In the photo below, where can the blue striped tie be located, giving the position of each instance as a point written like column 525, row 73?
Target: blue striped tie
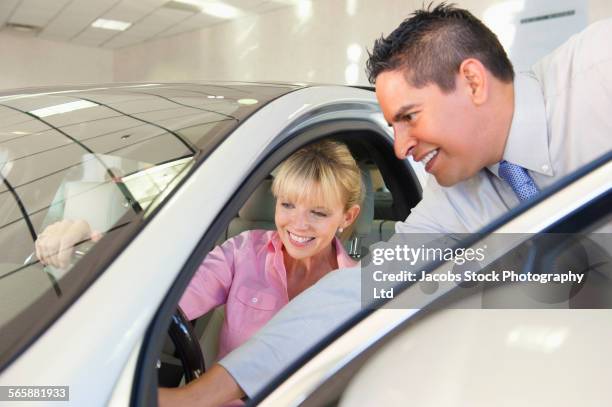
column 519, row 179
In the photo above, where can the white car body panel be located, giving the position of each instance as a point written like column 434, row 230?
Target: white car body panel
column 479, row 358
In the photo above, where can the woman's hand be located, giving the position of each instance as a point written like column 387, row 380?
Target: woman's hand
column 214, row 388
column 55, row 244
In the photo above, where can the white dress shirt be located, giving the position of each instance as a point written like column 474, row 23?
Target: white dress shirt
column 562, row 120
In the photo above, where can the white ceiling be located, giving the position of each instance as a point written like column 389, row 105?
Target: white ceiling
column 70, row 20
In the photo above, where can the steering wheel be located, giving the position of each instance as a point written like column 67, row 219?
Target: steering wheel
column 187, row 346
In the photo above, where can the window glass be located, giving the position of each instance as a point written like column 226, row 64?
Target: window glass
column 97, row 192
column 81, row 168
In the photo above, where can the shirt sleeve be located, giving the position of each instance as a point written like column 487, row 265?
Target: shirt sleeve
column 210, row 285
column 313, row 315
column 433, row 214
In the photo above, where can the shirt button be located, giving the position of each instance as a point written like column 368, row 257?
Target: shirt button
column 254, row 299
column 545, row 167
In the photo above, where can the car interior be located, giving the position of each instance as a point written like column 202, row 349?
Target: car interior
column 380, row 209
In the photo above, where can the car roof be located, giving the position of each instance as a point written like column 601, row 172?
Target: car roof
column 65, row 88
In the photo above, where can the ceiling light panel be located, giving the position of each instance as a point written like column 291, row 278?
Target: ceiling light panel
column 62, row 108
column 27, row 102
column 76, row 17
column 219, row 9
column 222, row 10
column 114, row 25
column 179, row 5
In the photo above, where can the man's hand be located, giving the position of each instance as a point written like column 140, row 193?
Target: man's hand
column 55, row 244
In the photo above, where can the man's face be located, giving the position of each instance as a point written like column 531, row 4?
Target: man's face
column 441, row 130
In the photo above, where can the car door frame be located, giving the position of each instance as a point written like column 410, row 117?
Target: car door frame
column 357, row 113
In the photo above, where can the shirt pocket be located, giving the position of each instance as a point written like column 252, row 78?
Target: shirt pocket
column 256, row 299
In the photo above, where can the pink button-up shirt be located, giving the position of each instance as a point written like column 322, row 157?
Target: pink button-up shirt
column 247, row 274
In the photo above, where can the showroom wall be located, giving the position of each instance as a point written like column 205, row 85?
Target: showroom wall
column 28, row 61
column 323, row 43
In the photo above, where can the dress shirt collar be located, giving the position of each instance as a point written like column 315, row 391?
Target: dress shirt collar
column 527, row 143
column 275, row 244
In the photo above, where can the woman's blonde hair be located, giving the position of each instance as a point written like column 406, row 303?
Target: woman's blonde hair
column 329, row 165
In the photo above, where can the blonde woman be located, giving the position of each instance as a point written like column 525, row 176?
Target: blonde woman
column 318, row 192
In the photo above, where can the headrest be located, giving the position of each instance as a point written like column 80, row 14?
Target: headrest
column 260, row 205
column 363, row 224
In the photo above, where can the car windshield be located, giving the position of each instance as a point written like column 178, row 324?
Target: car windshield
column 85, row 166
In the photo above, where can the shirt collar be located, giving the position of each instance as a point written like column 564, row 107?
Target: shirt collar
column 275, row 244
column 527, row 143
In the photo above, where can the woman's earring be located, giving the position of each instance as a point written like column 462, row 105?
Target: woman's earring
column 340, row 230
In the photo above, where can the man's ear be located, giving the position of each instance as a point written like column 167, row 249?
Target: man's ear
column 473, row 76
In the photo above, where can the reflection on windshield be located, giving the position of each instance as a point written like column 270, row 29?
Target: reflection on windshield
column 91, row 200
column 148, row 184
column 81, row 169
column 75, row 170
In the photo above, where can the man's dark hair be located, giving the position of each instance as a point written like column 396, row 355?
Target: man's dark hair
column 430, row 46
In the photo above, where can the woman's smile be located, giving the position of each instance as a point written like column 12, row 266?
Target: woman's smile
column 298, row 240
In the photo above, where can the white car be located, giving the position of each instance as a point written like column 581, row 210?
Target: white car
column 164, row 172
column 161, row 171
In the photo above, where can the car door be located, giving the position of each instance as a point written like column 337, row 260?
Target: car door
column 280, row 128
column 417, row 353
